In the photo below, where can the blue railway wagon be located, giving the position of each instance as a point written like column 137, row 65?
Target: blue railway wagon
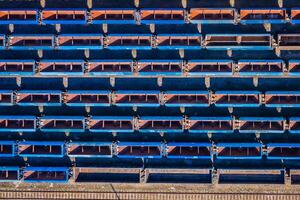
column 17, row 123
column 288, row 41
column 154, row 67
column 294, row 125
column 7, row 148
column 178, row 41
column 295, row 15
column 112, row 67
column 80, row 41
column 46, row 175
column 189, row 150
column 39, row 98
column 61, row 67
column 128, row 41
column 139, row 150
column 9, row 174
column 148, row 124
column 294, row 67
column 143, row 98
column 64, row 16
column 113, row 16
column 210, row 124
column 237, row 98
column 18, row 16
column 261, row 124
column 41, row 149
column 95, row 174
column 187, row 98
column 17, row 67
column 62, row 124
column 31, row 41
column 179, row 175
column 273, row 67
column 251, row 175
column 262, row 15
column 6, row 98
column 283, row 151
column 238, row 41
column 162, row 16
column 111, row 124
column 90, row 149
column 87, row 98
column 212, row 15
column 239, row 151
column 2, row 41
column 210, row 67
column 282, row 99
column 295, row 175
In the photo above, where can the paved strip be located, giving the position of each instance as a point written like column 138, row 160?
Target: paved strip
column 143, row 195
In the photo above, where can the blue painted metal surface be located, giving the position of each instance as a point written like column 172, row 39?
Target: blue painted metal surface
column 90, row 149
column 139, row 150
column 237, row 98
column 68, row 67
column 210, row 67
column 62, row 124
column 294, row 69
column 178, row 41
column 2, row 41
column 46, row 174
column 17, row 67
column 87, row 98
column 31, row 41
column 149, row 98
column 9, row 174
column 20, row 123
column 294, row 124
column 282, row 99
column 257, row 175
column 6, row 98
column 182, row 150
column 262, row 16
column 113, row 16
column 212, row 15
column 19, row 16
column 295, row 15
column 39, row 98
column 63, row 16
column 158, row 67
column 210, row 124
column 162, row 16
column 261, row 124
column 41, row 149
column 239, row 151
column 132, row 87
column 128, row 41
column 111, row 124
column 238, row 41
column 261, row 67
column 186, row 98
column 7, row 148
column 110, row 67
column 283, row 151
column 80, row 41
column 148, row 124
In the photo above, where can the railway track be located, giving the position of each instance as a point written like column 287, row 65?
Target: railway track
column 144, row 195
